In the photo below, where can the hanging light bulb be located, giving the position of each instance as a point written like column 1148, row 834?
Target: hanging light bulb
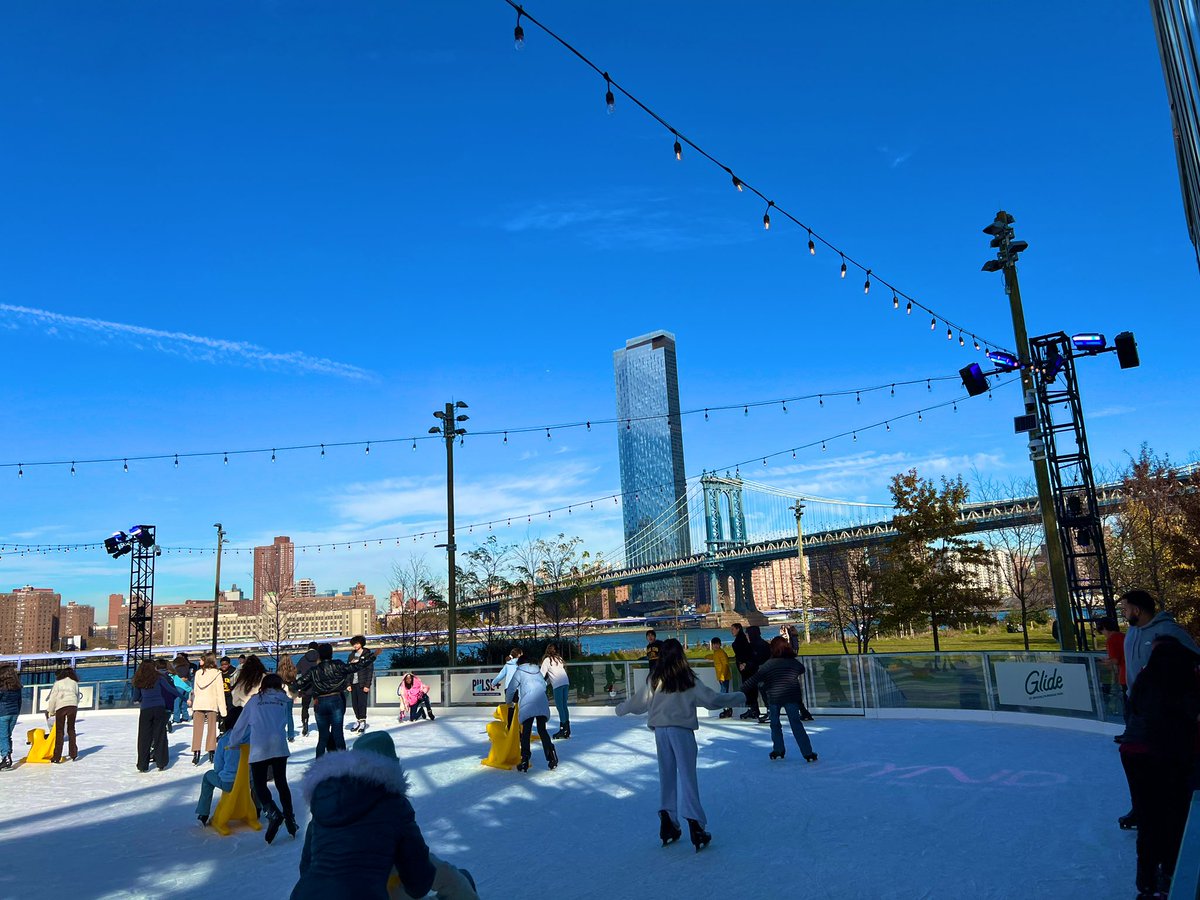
column 812, row 247
column 822, row 445
column 547, row 434
column 793, row 454
column 745, row 410
column 887, row 425
column 954, row 406
column 272, row 454
column 589, row 426
column 895, row 301
column 867, row 283
column 949, row 335
column 322, row 451
column 706, row 415
column 855, row 435
column 843, row 264
column 414, row 444
column 678, row 147
column 519, row 32
column 368, row 450
column 893, row 390
column 767, row 216
column 908, row 309
column 72, row 467
column 126, row 466
column 961, row 342
column 820, row 400
column 933, row 324
column 784, row 402
column 226, row 458
column 505, row 441
column 764, row 460
column 976, row 340
column 858, row 397
column 920, row 416
column 929, row 385
column 737, row 182
column 177, row 460
column 610, row 102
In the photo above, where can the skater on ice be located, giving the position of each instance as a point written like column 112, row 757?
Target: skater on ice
column 208, row 706
column 528, row 684
column 63, row 706
column 555, row 671
column 363, row 827
column 779, row 681
column 10, row 708
column 263, row 724
column 721, row 670
column 362, row 661
column 414, row 699
column 155, row 694
column 307, row 663
column 670, row 697
column 327, row 682
column 287, row 671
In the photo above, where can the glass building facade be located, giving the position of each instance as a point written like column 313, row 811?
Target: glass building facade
column 650, row 448
column 1175, row 28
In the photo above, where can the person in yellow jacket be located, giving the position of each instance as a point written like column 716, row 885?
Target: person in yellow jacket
column 721, row 669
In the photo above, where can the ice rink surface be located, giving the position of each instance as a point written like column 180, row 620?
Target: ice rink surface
column 893, row 809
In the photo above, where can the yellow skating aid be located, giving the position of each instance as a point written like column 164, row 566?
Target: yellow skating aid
column 237, row 805
column 505, row 737
column 41, row 745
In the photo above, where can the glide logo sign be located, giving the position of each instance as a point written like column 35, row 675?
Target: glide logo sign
column 1056, row 685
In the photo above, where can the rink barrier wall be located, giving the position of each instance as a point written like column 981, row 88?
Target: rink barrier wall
column 1073, row 689
column 1186, row 883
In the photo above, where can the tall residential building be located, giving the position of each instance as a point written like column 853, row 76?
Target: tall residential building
column 274, row 570
column 29, row 620
column 76, row 621
column 650, row 448
column 1177, row 31
column 115, row 602
column 306, row 587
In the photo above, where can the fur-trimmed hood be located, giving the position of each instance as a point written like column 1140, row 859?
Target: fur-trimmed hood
column 343, row 786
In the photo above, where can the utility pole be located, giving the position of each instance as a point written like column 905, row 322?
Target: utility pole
column 217, row 589
column 1007, row 251
column 450, row 417
column 801, row 581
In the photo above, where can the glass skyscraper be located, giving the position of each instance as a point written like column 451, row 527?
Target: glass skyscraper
column 1175, row 27
column 650, row 447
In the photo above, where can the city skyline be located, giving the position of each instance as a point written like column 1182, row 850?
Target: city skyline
column 310, row 250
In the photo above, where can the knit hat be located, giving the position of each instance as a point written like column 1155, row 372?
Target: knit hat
column 377, row 742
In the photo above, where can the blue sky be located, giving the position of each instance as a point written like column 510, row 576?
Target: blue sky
column 256, row 224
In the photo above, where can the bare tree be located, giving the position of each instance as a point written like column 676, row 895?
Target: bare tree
column 277, row 622
column 842, row 580
column 528, row 557
column 413, row 589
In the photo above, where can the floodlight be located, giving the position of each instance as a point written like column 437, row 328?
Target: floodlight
column 1004, row 360
column 993, row 265
column 973, row 379
column 143, row 535
column 1089, row 341
column 112, row 545
column 1018, row 246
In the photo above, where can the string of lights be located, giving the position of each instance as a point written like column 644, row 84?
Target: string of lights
column 503, row 433
column 681, row 140
column 507, row 520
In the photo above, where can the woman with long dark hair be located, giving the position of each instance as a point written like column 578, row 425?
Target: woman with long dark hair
column 243, row 686
column 671, row 696
column 10, row 709
column 155, row 694
column 286, row 670
column 63, row 704
column 263, row 722
column 554, row 670
column 207, row 701
column 779, row 678
column 528, row 683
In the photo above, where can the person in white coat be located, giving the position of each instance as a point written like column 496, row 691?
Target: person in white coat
column 207, row 702
column 528, row 684
column 62, row 705
column 263, row 724
column 671, row 696
column 555, row 671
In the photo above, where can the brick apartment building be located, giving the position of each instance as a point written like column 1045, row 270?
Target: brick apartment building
column 29, row 620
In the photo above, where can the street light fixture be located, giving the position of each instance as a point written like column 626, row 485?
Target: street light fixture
column 449, row 430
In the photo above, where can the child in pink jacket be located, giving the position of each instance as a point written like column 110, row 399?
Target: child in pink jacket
column 414, row 698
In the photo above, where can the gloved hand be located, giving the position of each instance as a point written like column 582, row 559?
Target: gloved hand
column 450, row 883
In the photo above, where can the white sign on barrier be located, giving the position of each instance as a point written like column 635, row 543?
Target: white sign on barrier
column 87, row 697
column 1053, row 684
column 474, row 687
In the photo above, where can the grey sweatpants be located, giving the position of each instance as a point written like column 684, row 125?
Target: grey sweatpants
column 679, row 791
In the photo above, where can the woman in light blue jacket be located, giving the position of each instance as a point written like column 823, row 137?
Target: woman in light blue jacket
column 263, row 724
column 528, row 683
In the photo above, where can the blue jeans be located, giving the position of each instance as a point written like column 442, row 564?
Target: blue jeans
column 560, row 703
column 291, row 731
column 798, row 732
column 7, row 724
column 208, row 784
column 330, row 711
column 181, row 710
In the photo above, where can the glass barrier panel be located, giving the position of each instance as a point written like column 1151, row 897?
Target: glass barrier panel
column 928, row 680
column 832, row 682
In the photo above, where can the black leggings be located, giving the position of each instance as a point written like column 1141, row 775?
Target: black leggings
column 526, row 731
column 358, row 699
column 258, row 775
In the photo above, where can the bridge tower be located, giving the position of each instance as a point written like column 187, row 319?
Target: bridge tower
column 725, row 529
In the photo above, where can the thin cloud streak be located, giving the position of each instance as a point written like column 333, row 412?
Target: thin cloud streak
column 190, row 346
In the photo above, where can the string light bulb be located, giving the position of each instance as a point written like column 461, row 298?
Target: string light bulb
column 843, row 264
column 737, row 182
column 812, row 247
column 767, row 216
column 126, row 466
column 976, row 340
column 908, row 309
column 822, row 445
column 519, row 32
column 226, row 459
column 72, row 467
column 177, row 460
column 961, row 342
column 678, row 147
column 867, row 283
column 895, row 301
column 887, row 425
column 933, row 324
column 367, row 452
column 949, row 335
column 272, row 454
column 610, row 101
column 322, row 451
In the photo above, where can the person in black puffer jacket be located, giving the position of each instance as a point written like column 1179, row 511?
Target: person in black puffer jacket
column 760, row 652
column 327, row 682
column 779, row 677
column 307, row 663
column 363, row 828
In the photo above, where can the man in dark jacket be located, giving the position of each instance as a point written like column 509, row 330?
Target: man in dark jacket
column 760, row 652
column 306, row 664
column 743, row 658
column 327, row 682
column 363, row 828
column 360, row 682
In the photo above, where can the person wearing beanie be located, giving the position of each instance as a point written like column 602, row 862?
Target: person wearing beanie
column 363, row 827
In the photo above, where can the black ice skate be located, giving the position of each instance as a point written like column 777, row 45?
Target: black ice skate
column 668, row 831
column 810, row 757
column 776, row 754
column 274, row 820
column 700, row 837
column 292, row 827
column 552, row 759
column 196, row 758
column 1128, row 821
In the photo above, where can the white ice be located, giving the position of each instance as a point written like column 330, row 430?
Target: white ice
column 893, row 809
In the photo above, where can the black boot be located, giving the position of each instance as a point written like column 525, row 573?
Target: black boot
column 211, row 755
column 700, row 837
column 274, row 820
column 552, row 759
column 810, row 757
column 303, row 729
column 292, row 827
column 1127, row 821
column 776, row 754
column 196, row 758
column 523, row 765
column 566, row 732
column 6, row 763
column 668, row 831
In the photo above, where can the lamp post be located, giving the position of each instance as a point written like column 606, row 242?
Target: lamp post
column 217, row 589
column 449, row 430
column 801, row 581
